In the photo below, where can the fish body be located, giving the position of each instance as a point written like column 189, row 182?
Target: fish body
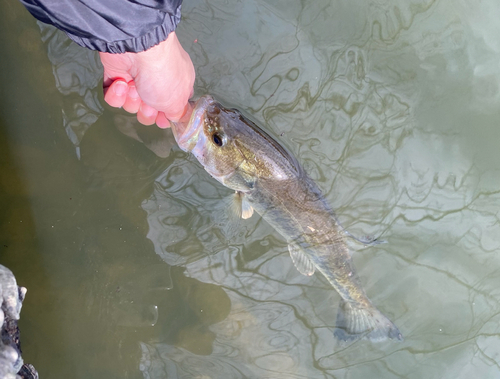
column 270, row 181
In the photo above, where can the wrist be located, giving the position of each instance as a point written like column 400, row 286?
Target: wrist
column 155, row 57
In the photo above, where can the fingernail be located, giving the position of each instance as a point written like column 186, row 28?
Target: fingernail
column 120, row 88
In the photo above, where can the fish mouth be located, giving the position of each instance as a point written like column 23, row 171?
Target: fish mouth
column 186, row 133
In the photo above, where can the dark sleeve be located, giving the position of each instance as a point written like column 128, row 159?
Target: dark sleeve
column 112, row 26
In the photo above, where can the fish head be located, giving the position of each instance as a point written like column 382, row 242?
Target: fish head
column 231, row 148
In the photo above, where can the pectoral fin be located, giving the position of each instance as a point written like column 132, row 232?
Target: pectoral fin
column 300, row 260
column 240, row 207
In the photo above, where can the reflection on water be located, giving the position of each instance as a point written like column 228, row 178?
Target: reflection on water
column 132, row 267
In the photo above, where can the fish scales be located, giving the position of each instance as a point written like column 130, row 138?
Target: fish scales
column 301, row 215
column 269, row 180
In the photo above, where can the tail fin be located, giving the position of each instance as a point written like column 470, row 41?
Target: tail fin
column 355, row 322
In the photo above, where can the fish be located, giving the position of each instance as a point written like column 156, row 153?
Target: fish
column 269, row 181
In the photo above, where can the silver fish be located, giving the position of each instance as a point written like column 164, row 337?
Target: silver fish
column 269, row 180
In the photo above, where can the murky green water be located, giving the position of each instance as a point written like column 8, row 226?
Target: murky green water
column 132, row 272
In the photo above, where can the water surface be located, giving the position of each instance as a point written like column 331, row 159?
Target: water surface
column 123, row 243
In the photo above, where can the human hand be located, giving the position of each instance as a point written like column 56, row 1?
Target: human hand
column 156, row 83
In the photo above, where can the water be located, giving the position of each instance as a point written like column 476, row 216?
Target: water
column 131, row 269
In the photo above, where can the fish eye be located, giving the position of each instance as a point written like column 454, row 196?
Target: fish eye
column 217, row 139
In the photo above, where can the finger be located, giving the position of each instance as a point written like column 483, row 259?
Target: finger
column 162, row 121
column 146, row 114
column 116, row 94
column 133, row 101
column 178, row 116
column 183, row 116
